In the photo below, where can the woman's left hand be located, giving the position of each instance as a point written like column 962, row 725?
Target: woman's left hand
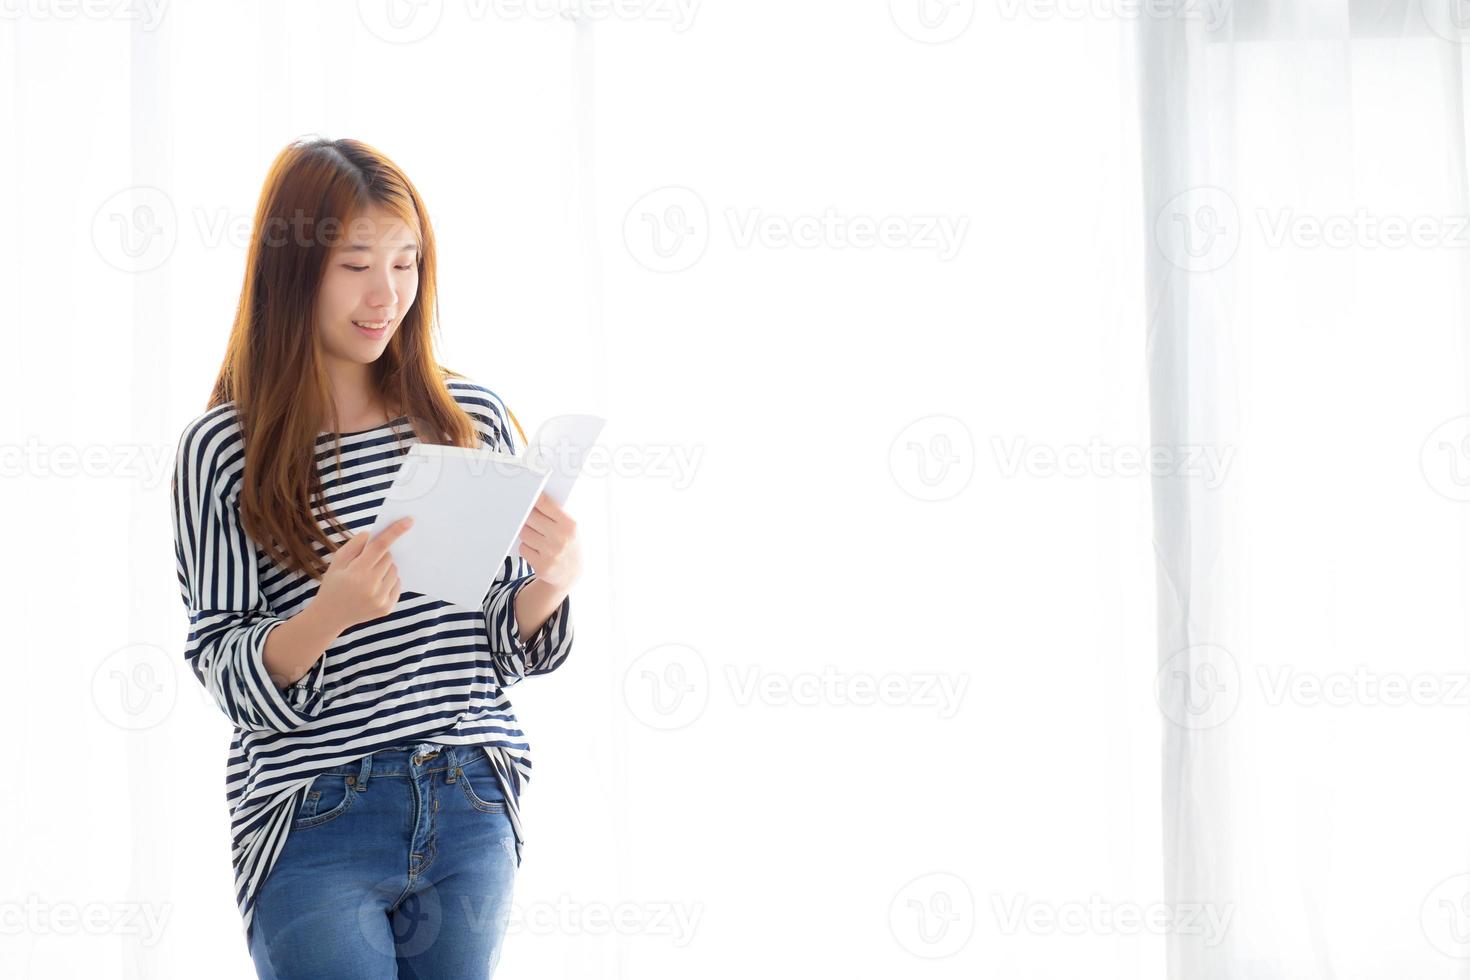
column 549, row 542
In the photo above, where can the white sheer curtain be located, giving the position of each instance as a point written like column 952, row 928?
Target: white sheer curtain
column 1305, row 189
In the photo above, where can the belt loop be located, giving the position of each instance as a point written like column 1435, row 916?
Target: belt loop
column 454, row 763
column 364, row 773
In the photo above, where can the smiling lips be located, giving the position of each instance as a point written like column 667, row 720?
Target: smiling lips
column 370, row 326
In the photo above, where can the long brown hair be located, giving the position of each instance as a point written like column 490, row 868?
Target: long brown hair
column 272, row 367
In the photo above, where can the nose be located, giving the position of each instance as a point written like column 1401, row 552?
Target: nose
column 381, row 291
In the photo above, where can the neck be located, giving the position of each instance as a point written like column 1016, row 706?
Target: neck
column 353, row 395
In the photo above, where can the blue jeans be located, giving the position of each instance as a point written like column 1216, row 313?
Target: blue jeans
column 400, row 864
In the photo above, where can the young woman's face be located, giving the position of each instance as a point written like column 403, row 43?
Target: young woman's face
column 369, row 283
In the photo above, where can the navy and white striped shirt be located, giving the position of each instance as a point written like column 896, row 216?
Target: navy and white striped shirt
column 428, row 671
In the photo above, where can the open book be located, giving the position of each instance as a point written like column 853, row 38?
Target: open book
column 467, row 506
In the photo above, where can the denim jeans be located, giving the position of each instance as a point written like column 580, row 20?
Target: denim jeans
column 399, row 864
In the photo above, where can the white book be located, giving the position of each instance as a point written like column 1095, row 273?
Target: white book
column 468, row 506
column 561, row 445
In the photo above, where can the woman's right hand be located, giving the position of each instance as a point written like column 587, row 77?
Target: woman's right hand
column 361, row 581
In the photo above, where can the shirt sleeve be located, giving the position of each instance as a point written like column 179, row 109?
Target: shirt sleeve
column 219, row 579
column 552, row 643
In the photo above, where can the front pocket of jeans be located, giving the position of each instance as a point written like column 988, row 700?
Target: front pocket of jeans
column 485, row 776
column 327, row 798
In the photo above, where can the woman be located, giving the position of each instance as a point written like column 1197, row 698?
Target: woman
column 374, row 774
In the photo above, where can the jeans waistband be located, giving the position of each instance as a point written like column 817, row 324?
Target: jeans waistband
column 409, row 758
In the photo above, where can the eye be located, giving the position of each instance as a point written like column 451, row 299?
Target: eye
column 363, row 268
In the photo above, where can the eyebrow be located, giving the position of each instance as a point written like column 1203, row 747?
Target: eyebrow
column 369, row 248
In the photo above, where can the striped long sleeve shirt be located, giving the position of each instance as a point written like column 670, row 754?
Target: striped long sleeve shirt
column 429, row 670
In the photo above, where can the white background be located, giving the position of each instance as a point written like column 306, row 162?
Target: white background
column 883, row 604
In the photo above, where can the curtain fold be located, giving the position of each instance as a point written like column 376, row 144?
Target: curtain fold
column 1304, row 194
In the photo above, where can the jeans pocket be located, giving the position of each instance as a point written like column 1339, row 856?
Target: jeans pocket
column 327, row 798
column 481, row 787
